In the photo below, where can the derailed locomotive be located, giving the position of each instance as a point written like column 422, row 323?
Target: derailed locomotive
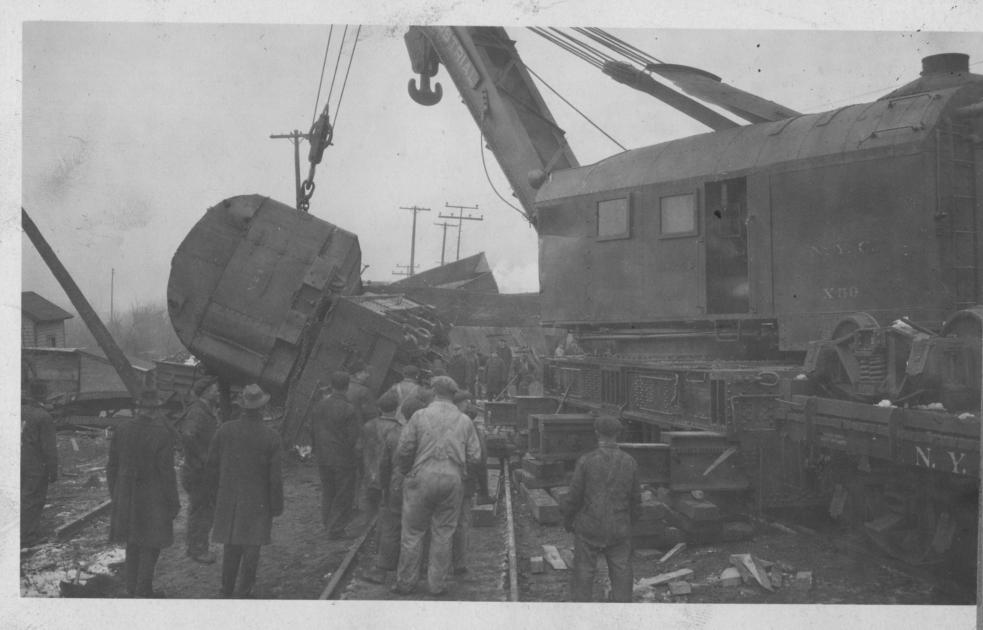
column 262, row 292
column 792, row 306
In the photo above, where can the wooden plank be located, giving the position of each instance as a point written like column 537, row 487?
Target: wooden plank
column 664, row 578
column 676, row 549
column 71, row 527
column 544, row 508
column 567, row 555
column 346, row 562
column 554, row 558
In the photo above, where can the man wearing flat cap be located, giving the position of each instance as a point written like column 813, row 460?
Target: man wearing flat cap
column 436, row 447
column 143, row 489
column 244, row 462
column 603, row 503
column 196, row 430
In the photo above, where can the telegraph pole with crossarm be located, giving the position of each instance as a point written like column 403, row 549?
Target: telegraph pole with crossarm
column 412, row 266
column 460, row 221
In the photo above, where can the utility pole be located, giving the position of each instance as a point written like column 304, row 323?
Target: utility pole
column 412, row 267
column 112, row 289
column 460, row 221
column 296, row 137
column 443, row 240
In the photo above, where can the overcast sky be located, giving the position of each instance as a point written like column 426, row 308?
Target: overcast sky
column 132, row 130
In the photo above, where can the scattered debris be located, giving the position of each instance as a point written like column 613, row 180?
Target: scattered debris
column 662, row 578
column 802, row 581
column 730, row 577
column 680, row 588
column 966, row 416
column 676, row 549
column 750, row 567
column 885, row 403
column 536, row 564
column 544, row 508
column 554, row 558
column 567, row 555
column 884, row 523
column 71, row 527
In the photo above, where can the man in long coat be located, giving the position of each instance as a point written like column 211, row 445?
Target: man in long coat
column 244, row 461
column 457, row 367
column 38, row 461
column 335, row 437
column 197, row 429
column 143, row 488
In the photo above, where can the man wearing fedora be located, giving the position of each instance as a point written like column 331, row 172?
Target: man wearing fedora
column 197, row 429
column 244, row 463
column 143, row 489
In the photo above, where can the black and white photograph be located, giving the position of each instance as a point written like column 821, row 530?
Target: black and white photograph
column 602, row 313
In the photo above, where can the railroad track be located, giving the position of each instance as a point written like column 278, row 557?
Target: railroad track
column 493, row 573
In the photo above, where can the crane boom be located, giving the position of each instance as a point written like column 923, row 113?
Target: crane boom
column 501, row 96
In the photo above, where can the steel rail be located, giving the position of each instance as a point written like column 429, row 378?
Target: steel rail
column 510, row 524
column 346, row 562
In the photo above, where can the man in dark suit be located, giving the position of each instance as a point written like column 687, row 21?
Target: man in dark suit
column 335, row 433
column 143, row 488
column 244, row 464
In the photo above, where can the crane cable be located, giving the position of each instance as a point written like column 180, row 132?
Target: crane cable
column 321, row 133
column 317, row 99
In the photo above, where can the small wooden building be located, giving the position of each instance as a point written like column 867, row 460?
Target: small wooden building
column 74, row 370
column 42, row 323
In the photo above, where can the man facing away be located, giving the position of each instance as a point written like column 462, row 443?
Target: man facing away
column 197, row 430
column 405, row 389
column 457, row 367
column 373, row 442
column 477, row 479
column 244, row 461
column 38, row 460
column 495, row 373
column 435, row 448
column 143, row 489
column 603, row 503
column 391, row 482
column 335, row 431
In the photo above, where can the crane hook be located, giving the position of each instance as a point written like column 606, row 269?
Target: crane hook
column 424, row 95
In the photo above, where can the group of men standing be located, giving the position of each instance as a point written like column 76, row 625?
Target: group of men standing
column 415, row 452
column 231, row 472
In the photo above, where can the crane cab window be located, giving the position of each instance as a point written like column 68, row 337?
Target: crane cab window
column 678, row 215
column 613, row 219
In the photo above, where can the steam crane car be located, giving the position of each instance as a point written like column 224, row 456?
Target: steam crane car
column 791, row 305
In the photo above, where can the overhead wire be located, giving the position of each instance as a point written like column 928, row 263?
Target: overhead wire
column 603, row 56
column 644, row 56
